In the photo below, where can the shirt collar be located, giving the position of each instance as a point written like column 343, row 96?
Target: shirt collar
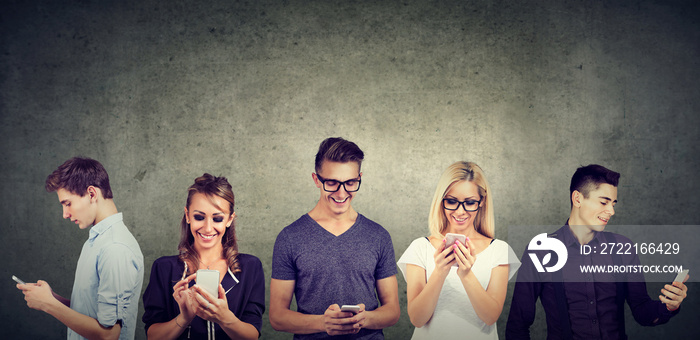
column 569, row 239
column 104, row 225
column 233, row 284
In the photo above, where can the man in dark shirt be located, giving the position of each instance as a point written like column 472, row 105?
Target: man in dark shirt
column 588, row 305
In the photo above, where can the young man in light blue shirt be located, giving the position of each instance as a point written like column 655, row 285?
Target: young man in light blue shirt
column 109, row 275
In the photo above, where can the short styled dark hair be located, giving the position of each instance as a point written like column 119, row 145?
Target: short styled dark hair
column 336, row 149
column 590, row 177
column 77, row 174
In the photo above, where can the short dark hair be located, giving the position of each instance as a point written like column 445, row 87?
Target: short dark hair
column 336, row 149
column 77, row 174
column 590, row 177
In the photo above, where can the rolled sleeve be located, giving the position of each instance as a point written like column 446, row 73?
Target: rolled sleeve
column 118, row 269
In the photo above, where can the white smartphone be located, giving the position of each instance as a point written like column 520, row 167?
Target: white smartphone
column 350, row 308
column 209, row 280
column 18, row 280
column 681, row 275
column 451, row 238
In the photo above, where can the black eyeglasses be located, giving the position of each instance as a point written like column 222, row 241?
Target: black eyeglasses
column 453, row 204
column 332, row 185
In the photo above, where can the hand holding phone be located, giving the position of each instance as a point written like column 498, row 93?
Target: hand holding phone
column 671, row 295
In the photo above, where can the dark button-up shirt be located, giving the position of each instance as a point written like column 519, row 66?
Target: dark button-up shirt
column 592, row 310
column 245, row 293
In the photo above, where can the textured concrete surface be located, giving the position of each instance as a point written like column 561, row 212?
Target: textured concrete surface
column 161, row 92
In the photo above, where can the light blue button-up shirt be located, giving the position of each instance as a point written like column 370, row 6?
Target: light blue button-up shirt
column 109, row 277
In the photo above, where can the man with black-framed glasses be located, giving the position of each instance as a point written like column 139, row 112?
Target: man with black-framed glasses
column 334, row 256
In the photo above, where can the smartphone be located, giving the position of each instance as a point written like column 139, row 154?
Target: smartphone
column 350, row 308
column 681, row 275
column 18, row 280
column 451, row 238
column 209, row 280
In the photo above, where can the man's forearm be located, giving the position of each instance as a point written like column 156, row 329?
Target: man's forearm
column 286, row 320
column 82, row 324
column 384, row 316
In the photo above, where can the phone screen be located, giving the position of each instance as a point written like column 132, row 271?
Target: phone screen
column 209, row 280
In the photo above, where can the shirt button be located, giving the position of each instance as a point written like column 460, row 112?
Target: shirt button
column 594, row 320
column 591, row 301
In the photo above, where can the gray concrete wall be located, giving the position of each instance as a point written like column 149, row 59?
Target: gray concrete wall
column 162, row 91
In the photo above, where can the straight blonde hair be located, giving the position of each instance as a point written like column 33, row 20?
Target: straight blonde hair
column 457, row 172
